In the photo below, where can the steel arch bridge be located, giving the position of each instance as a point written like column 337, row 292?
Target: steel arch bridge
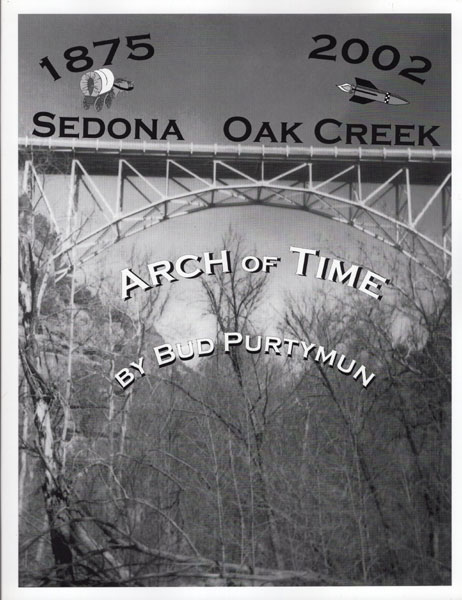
column 400, row 196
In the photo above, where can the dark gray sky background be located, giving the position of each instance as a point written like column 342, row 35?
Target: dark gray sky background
column 207, row 68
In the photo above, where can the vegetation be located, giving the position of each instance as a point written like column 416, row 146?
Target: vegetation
column 244, row 470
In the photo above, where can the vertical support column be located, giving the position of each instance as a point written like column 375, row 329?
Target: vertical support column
column 262, row 173
column 120, row 188
column 360, row 185
column 167, row 177
column 445, row 213
column 26, row 182
column 71, row 200
column 307, row 185
column 352, row 192
column 70, row 231
column 167, row 187
column 214, row 182
column 445, row 224
column 397, row 208
column 408, row 196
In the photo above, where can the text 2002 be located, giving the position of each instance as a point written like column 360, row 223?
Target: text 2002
column 356, row 51
column 78, row 59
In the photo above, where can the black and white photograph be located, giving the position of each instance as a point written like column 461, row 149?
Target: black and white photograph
column 232, row 359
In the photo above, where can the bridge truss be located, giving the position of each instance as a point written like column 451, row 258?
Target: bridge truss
column 109, row 191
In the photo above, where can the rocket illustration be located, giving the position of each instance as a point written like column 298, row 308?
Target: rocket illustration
column 365, row 91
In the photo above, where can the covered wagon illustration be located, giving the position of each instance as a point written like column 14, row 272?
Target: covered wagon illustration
column 100, row 87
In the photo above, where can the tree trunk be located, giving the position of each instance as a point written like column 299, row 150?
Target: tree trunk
column 69, row 540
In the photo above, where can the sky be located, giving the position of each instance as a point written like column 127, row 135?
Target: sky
column 207, row 68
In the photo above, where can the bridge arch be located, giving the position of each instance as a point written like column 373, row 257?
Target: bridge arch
column 385, row 193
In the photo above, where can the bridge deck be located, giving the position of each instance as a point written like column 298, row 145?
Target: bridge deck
column 97, row 156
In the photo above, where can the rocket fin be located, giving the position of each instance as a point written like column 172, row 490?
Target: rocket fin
column 365, row 83
column 360, row 100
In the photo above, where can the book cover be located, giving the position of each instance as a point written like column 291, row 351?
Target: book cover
column 233, row 348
